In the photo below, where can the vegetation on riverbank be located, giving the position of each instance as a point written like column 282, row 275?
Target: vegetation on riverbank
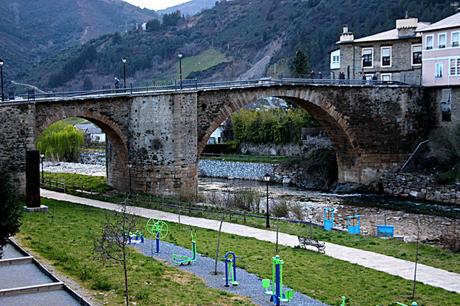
column 97, row 184
column 267, row 159
column 56, row 236
column 429, row 255
column 61, row 141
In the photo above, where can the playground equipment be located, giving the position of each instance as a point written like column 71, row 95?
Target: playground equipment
column 345, row 301
column 136, row 238
column 230, row 269
column 328, row 218
column 274, row 287
column 354, row 224
column 158, row 229
column 182, row 260
column 387, row 231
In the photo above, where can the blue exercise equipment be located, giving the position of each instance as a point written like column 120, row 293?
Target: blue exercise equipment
column 136, row 238
column 328, row 218
column 230, row 269
column 274, row 288
column 354, row 224
column 385, row 231
column 182, row 260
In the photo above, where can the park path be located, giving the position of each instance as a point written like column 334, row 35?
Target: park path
column 405, row 269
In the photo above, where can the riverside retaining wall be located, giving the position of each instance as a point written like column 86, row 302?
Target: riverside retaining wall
column 421, row 187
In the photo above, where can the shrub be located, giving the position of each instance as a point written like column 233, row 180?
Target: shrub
column 281, row 209
column 61, row 142
column 297, row 211
column 445, row 150
column 10, row 210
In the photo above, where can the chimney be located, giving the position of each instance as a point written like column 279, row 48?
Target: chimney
column 346, row 36
column 406, row 27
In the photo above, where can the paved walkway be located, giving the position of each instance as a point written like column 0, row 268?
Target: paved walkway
column 425, row 274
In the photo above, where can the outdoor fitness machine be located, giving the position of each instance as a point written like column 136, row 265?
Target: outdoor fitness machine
column 230, row 269
column 158, row 229
column 182, row 260
column 354, row 224
column 328, row 218
column 136, row 238
column 274, row 288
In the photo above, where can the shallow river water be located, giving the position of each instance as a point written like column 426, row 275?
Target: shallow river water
column 434, row 219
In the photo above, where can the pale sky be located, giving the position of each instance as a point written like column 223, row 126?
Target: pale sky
column 156, row 4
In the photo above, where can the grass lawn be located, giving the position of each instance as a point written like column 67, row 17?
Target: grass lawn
column 428, row 254
column 249, row 158
column 96, row 184
column 65, row 237
column 200, row 62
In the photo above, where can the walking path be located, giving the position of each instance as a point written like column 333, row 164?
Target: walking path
column 425, row 274
column 249, row 284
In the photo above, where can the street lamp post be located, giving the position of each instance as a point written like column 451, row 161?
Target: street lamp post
column 1, row 77
column 129, row 174
column 42, row 156
column 124, row 72
column 267, row 178
column 180, row 68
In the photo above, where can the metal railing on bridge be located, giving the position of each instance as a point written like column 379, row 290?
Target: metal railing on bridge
column 188, row 85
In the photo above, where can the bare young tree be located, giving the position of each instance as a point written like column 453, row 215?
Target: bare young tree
column 112, row 244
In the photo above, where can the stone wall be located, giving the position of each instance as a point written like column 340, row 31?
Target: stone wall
column 16, row 137
column 236, row 170
column 420, row 187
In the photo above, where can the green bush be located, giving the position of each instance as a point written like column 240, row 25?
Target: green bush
column 10, row 210
column 445, row 149
column 274, row 126
column 61, row 142
column 281, row 210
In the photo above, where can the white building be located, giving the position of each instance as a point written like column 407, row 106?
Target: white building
column 92, row 132
column 216, row 137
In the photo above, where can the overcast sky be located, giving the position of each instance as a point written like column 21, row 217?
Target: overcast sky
column 156, row 4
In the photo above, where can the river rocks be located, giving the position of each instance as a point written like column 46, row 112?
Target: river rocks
column 421, row 187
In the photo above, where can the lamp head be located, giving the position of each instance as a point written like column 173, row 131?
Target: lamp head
column 180, row 55
column 124, row 60
column 267, row 177
column 1, row 62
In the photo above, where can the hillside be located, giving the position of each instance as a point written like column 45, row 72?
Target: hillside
column 233, row 39
column 31, row 31
column 190, row 8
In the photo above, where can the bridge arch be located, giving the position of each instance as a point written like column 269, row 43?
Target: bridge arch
column 321, row 108
column 117, row 143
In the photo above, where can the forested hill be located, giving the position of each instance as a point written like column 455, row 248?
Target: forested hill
column 32, row 30
column 235, row 38
column 190, row 8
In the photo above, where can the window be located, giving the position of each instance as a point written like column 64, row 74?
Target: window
column 386, row 56
column 454, row 64
column 442, row 37
column 386, row 77
column 438, row 72
column 429, row 42
column 455, row 39
column 416, row 55
column 368, row 57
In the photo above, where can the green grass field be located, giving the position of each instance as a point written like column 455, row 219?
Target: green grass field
column 428, row 254
column 65, row 237
column 200, row 62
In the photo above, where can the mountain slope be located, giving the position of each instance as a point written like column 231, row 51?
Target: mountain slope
column 190, row 8
column 31, row 31
column 239, row 35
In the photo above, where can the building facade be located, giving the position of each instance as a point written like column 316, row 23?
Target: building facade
column 394, row 55
column 441, row 52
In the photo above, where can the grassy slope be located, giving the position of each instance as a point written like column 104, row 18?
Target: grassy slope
column 65, row 237
column 428, row 254
column 202, row 61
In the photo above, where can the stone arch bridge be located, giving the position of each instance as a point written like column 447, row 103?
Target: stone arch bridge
column 155, row 138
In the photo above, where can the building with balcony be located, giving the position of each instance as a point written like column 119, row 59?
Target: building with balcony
column 394, row 55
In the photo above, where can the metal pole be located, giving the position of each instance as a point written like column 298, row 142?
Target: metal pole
column 124, row 74
column 1, row 77
column 267, row 217
column 180, row 71
column 43, row 177
column 416, row 260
